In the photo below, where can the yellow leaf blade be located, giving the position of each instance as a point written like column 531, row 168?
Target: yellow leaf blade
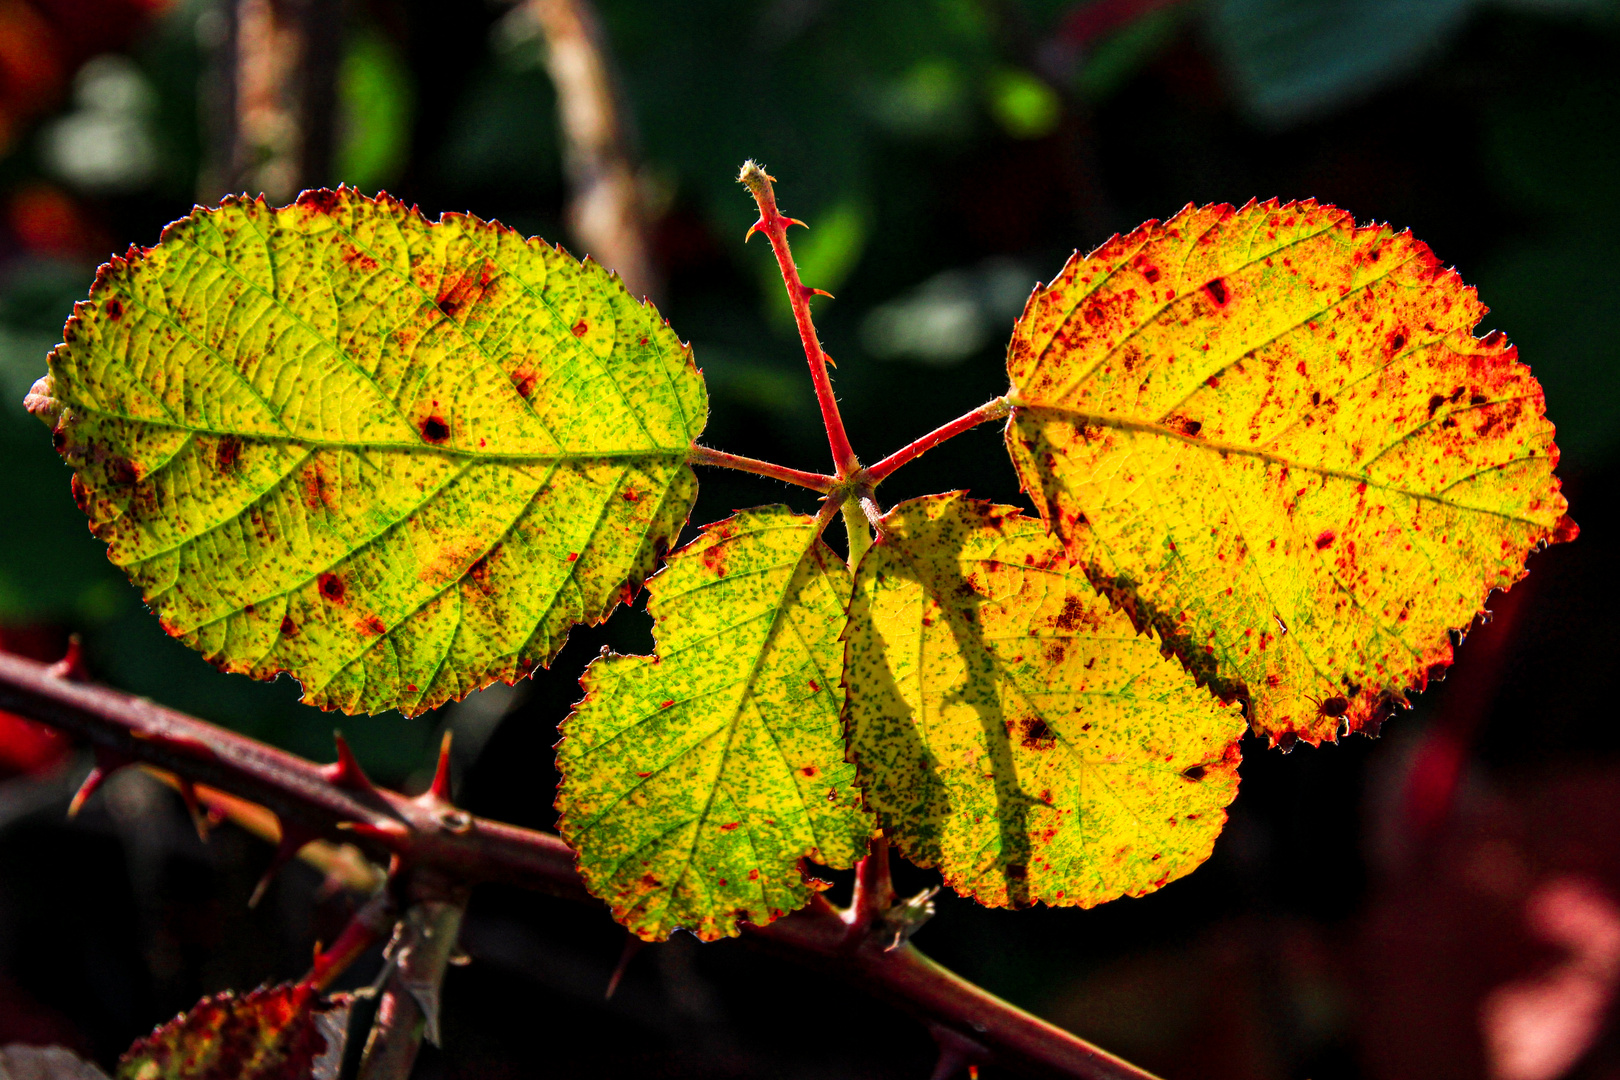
column 1273, row 437
column 696, row 780
column 1013, row 730
column 397, row 459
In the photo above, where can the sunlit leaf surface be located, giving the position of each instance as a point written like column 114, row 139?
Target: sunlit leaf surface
column 1273, row 438
column 1012, row 729
column 396, row 459
column 695, row 781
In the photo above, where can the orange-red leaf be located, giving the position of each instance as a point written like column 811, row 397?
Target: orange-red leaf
column 282, row 1032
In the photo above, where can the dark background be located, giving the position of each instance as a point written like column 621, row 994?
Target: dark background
column 1367, row 902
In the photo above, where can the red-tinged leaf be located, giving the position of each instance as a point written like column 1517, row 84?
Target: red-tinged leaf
column 1273, row 437
column 286, row 1032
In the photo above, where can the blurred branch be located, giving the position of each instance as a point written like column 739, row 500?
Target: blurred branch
column 430, row 840
column 605, row 211
column 276, row 96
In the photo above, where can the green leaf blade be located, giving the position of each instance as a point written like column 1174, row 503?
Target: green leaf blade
column 1014, row 731
column 397, row 459
column 696, row 780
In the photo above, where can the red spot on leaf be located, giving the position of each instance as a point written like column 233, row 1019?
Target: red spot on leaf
column 331, row 587
column 1324, row 539
column 1217, row 291
column 581, row 328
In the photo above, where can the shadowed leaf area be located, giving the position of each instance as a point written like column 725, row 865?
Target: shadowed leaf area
column 1273, row 437
column 1015, row 731
column 396, row 459
column 275, row 1033
column 695, row 781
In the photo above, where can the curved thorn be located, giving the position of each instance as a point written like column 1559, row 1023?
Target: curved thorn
column 792, row 221
column 199, row 820
column 808, row 291
column 91, row 784
column 346, row 771
column 632, row 946
column 291, row 843
column 440, row 787
column 758, row 226
column 71, row 666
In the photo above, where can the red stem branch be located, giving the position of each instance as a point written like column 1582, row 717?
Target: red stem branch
column 425, row 834
column 703, row 455
column 775, row 226
column 990, row 410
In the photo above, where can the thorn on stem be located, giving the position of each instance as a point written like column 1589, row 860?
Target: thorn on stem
column 756, row 227
column 794, row 221
column 199, row 819
column 71, row 666
column 632, row 946
column 346, row 772
column 440, row 787
column 957, row 1053
column 809, row 292
column 107, row 763
column 291, row 843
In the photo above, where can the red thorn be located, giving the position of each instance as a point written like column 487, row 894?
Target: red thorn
column 346, row 772
column 291, row 843
column 440, row 788
column 809, row 292
column 758, row 226
column 632, row 946
column 829, row 359
column 86, row 789
column 71, row 666
column 957, row 1053
column 786, row 221
column 107, row 763
column 199, row 820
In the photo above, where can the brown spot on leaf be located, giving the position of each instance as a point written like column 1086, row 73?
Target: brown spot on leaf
column 1324, row 539
column 1037, row 735
column 331, row 587
column 1195, row 773
column 435, row 430
column 319, row 201
column 581, row 328
column 288, row 627
column 1217, row 291
column 113, row 308
column 227, row 453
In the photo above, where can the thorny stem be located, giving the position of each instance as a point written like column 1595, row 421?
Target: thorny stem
column 774, row 226
column 873, row 894
column 368, row 926
column 995, row 409
column 703, row 455
column 338, row 804
column 423, row 944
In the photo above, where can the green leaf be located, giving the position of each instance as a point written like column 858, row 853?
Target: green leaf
column 695, row 781
column 282, row 1032
column 1273, row 437
column 393, row 458
column 1013, row 730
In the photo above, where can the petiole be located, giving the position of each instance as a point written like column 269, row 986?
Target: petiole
column 995, row 409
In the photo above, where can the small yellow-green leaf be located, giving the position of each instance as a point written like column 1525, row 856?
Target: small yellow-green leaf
column 1012, row 729
column 397, row 459
column 695, row 780
column 1273, row 437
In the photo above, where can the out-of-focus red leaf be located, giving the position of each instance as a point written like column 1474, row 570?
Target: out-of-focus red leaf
column 286, row 1032
column 27, row 746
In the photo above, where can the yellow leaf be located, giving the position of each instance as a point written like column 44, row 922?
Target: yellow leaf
column 1272, row 437
column 1012, row 729
column 393, row 458
column 696, row 780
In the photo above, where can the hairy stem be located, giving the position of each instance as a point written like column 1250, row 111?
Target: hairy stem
column 775, row 226
column 337, row 802
column 995, row 409
column 703, row 455
column 857, row 528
